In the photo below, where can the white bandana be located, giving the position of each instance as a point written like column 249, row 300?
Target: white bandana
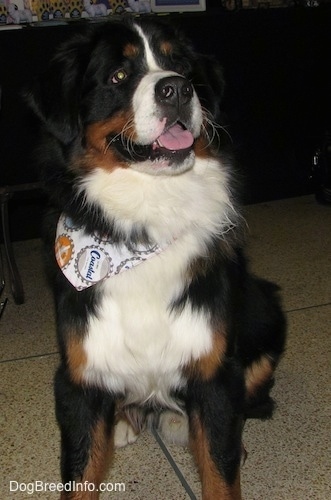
column 85, row 259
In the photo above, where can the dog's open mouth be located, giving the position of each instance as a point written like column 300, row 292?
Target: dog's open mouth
column 173, row 146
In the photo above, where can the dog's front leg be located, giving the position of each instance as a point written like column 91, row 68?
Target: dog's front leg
column 215, row 419
column 86, row 420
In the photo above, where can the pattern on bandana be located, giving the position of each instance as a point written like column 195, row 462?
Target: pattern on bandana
column 86, row 259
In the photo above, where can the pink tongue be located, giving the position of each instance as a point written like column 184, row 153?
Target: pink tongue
column 176, row 138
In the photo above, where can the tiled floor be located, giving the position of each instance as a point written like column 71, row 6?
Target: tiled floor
column 289, row 242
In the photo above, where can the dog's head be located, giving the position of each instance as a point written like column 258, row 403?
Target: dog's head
column 130, row 94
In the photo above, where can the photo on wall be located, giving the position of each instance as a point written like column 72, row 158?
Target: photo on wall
column 178, row 5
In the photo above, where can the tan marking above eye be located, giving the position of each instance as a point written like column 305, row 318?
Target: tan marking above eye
column 166, row 48
column 131, row 51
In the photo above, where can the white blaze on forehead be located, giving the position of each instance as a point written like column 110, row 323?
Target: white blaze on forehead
column 148, row 117
column 148, row 120
column 149, row 56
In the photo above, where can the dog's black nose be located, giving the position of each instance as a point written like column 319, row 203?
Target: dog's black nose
column 173, row 91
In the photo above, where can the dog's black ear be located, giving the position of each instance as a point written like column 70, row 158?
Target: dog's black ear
column 208, row 81
column 55, row 95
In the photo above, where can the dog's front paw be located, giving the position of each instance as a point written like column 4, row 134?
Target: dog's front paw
column 124, row 434
column 173, row 427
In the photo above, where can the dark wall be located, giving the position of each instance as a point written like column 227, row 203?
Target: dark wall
column 277, row 99
column 278, row 91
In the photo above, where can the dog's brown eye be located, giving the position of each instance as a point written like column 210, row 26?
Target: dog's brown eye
column 119, row 76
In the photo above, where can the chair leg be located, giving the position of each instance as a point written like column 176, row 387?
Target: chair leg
column 4, row 301
column 14, row 275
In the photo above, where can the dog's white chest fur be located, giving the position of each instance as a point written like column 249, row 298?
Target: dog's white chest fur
column 136, row 344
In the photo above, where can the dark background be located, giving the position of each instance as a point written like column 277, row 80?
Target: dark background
column 277, row 100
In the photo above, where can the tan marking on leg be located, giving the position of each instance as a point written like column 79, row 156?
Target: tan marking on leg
column 101, row 454
column 258, row 373
column 79, row 495
column 213, row 484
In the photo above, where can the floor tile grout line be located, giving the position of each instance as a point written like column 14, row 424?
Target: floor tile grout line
column 315, row 306
column 288, row 311
column 33, row 356
column 173, row 464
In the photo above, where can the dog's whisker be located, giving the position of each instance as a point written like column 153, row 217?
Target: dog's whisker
column 127, row 126
column 215, row 127
column 109, row 143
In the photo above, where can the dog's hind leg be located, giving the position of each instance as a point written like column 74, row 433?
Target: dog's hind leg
column 86, row 420
column 215, row 417
column 261, row 343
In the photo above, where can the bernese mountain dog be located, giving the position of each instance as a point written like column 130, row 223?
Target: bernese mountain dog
column 156, row 308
